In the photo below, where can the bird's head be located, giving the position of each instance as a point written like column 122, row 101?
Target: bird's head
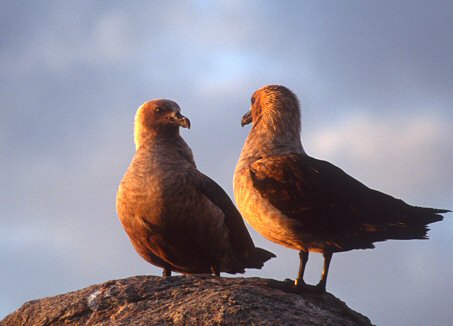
column 158, row 117
column 273, row 107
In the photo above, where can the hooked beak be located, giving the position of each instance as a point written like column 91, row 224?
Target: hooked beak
column 247, row 118
column 180, row 120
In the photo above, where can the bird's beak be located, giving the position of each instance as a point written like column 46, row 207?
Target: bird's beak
column 180, row 120
column 247, row 118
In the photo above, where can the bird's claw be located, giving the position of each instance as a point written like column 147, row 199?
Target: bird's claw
column 304, row 287
column 297, row 286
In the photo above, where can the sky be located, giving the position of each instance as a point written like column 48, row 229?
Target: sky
column 374, row 80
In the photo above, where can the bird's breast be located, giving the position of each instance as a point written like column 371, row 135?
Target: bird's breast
column 260, row 214
column 270, row 222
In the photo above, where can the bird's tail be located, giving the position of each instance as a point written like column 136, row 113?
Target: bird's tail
column 433, row 213
column 416, row 227
column 257, row 257
column 425, row 215
column 251, row 258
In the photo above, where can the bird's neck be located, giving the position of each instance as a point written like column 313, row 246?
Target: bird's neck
column 262, row 142
column 170, row 148
column 142, row 137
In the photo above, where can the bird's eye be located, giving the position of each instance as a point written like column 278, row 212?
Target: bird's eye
column 158, row 109
column 252, row 100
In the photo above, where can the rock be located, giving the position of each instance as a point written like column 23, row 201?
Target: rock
column 186, row 300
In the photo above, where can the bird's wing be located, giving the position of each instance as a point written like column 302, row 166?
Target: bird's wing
column 318, row 193
column 239, row 236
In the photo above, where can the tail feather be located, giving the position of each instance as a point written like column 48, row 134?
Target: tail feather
column 416, row 225
column 257, row 257
column 425, row 215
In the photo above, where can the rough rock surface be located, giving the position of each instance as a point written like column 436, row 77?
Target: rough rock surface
column 186, row 300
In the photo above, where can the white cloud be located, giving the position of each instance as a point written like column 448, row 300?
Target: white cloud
column 400, row 154
column 102, row 59
column 62, row 44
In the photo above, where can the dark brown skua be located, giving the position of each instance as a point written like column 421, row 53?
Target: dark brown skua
column 308, row 204
column 176, row 217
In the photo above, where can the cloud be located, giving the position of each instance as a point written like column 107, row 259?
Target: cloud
column 58, row 46
column 403, row 154
column 374, row 80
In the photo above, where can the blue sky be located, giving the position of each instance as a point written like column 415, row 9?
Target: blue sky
column 374, row 80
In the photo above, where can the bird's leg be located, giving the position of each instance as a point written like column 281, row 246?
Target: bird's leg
column 303, row 258
column 322, row 283
column 215, row 270
column 166, row 271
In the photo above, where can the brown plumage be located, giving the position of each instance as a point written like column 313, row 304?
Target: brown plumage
column 176, row 217
column 308, row 204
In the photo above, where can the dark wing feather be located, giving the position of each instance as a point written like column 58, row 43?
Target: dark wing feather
column 323, row 197
column 239, row 236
